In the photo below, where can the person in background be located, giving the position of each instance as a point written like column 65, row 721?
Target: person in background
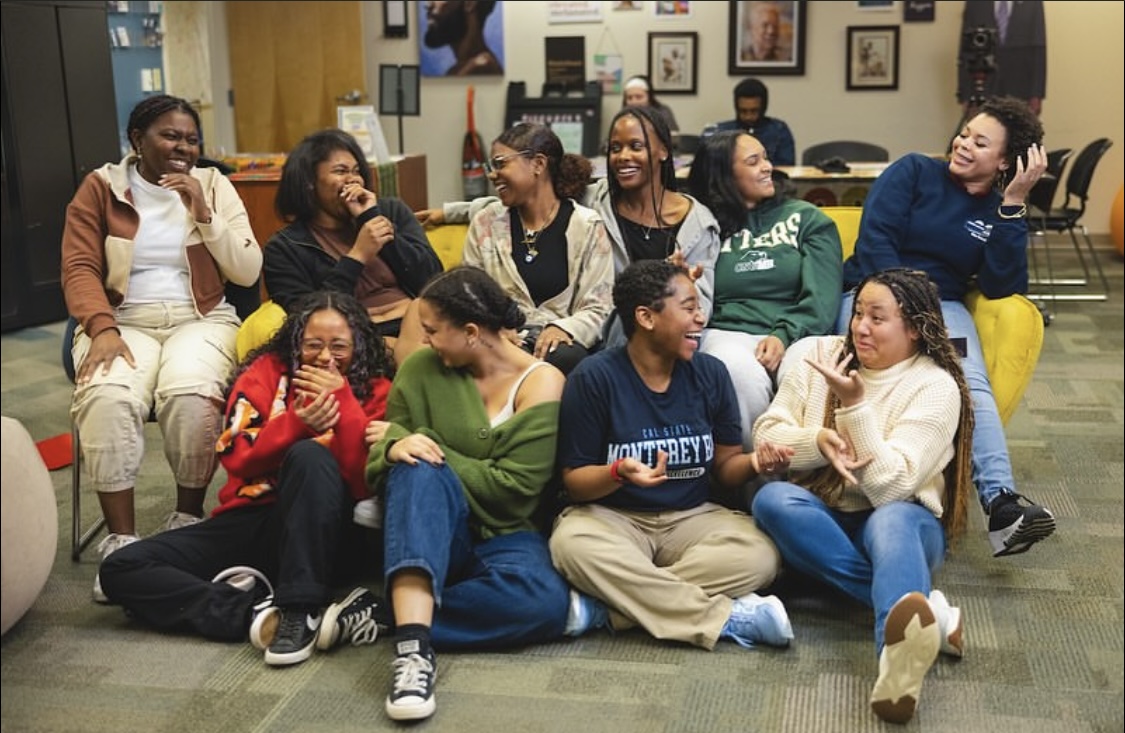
column 1016, row 63
column 547, row 251
column 880, row 423
column 778, row 275
column 147, row 248
column 962, row 222
column 341, row 236
column 644, row 215
column 638, row 93
column 751, row 100
column 643, row 431
column 459, row 24
column 469, row 450
column 299, row 419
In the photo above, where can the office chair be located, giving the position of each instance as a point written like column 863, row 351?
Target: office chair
column 1039, row 201
column 245, row 300
column 1068, row 218
column 849, row 150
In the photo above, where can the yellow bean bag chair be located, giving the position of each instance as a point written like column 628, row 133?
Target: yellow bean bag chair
column 448, row 240
column 1010, row 329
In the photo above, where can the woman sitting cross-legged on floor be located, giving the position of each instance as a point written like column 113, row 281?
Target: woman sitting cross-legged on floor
column 643, row 430
column 300, row 415
column 880, row 423
column 468, row 452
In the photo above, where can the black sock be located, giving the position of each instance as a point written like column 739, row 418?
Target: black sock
column 413, row 638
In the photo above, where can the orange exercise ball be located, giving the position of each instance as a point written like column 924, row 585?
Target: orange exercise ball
column 1117, row 221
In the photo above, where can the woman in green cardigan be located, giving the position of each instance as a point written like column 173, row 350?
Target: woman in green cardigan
column 468, row 449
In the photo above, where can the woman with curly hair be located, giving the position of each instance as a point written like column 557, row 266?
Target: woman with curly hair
column 962, row 223
column 302, row 411
column 880, row 423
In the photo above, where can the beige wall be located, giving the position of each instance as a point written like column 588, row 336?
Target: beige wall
column 1086, row 71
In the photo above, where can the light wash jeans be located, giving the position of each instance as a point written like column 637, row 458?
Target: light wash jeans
column 874, row 556
column 501, row 591
column 992, row 467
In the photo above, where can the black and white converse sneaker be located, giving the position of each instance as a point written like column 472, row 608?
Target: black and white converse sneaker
column 415, row 670
column 355, row 620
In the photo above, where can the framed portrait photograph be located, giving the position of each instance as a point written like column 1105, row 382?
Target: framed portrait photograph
column 673, row 61
column 767, row 37
column 872, row 61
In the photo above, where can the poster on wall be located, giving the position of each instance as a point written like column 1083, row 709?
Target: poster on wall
column 445, row 27
column 566, row 61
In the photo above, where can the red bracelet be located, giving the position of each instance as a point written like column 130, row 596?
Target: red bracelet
column 613, row 471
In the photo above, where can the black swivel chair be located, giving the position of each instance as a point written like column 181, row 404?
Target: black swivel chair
column 1068, row 218
column 849, row 150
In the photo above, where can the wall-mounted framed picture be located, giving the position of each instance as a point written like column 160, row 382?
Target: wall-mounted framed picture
column 872, row 61
column 766, row 37
column 396, row 21
column 673, row 62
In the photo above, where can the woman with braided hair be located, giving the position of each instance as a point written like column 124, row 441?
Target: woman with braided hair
column 880, row 422
column 149, row 244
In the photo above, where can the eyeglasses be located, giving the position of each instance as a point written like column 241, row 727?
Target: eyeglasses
column 338, row 349
column 496, row 164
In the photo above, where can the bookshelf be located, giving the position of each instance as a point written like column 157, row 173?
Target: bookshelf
column 136, row 40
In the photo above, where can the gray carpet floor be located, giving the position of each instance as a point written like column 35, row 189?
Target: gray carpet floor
column 1043, row 630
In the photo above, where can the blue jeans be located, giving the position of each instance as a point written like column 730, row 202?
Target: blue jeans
column 874, row 556
column 992, row 468
column 487, row 593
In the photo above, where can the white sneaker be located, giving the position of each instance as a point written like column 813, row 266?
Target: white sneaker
column 109, row 545
column 910, row 646
column 368, row 513
column 245, row 578
column 949, row 621
column 176, row 520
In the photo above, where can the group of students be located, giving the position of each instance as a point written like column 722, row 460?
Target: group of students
column 637, row 344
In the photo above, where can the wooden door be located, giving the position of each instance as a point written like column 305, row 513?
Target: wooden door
column 290, row 62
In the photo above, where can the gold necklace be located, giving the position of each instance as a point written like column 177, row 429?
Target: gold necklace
column 531, row 236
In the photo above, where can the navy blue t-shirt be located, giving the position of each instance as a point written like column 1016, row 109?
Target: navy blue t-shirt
column 608, row 412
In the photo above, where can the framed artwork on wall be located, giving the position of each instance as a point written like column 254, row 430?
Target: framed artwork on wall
column 673, row 60
column 444, row 31
column 872, row 61
column 767, row 37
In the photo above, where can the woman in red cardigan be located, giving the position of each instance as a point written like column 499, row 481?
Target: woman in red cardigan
column 300, row 416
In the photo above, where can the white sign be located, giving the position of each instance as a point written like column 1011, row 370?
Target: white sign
column 575, row 11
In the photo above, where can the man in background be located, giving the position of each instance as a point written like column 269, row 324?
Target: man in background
column 751, row 100
column 459, row 24
column 1016, row 63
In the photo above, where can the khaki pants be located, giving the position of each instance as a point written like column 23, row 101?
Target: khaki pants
column 183, row 364
column 673, row 573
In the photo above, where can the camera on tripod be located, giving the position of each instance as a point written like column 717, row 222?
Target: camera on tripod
column 977, row 50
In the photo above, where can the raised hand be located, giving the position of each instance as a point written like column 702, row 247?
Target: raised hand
column 845, row 383
column 191, row 194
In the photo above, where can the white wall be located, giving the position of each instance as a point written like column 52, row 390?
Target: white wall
column 1085, row 78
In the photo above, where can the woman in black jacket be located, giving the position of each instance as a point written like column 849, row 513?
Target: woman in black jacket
column 341, row 236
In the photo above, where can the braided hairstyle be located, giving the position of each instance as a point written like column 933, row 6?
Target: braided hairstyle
column 920, row 302
column 369, row 357
column 150, row 109
column 654, row 121
column 467, row 294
